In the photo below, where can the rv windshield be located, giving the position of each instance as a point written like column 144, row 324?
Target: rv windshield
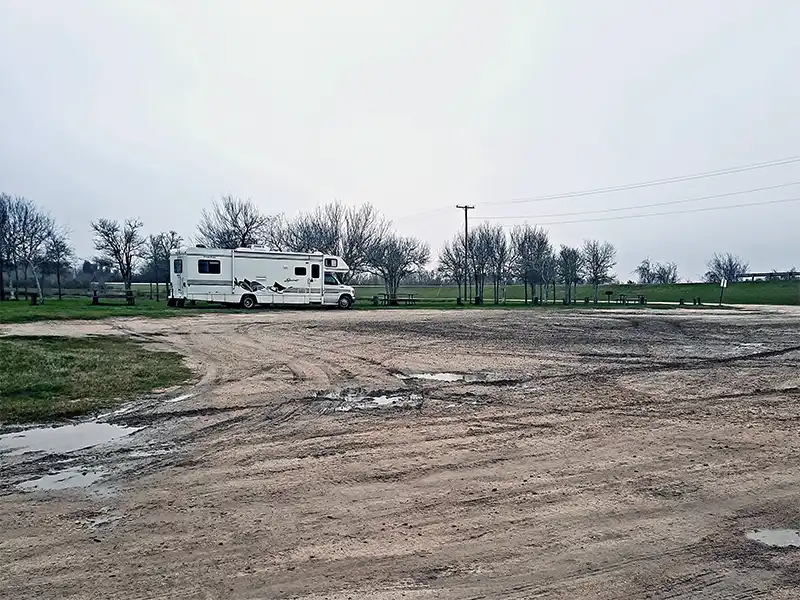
column 332, row 279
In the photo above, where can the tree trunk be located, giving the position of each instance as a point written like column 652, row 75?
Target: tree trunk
column 596, row 291
column 525, row 285
column 38, row 285
column 130, row 298
column 58, row 279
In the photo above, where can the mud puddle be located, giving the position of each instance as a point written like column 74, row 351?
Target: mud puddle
column 446, row 377
column 775, row 538
column 353, row 401
column 69, row 478
column 63, row 439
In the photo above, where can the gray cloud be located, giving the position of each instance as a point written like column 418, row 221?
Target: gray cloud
column 152, row 109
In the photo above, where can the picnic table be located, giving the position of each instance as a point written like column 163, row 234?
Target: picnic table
column 406, row 299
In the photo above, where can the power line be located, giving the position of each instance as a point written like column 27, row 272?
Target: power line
column 654, row 204
column 619, row 188
column 676, row 212
column 634, row 186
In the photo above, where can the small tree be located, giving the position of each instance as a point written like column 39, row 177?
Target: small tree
column 120, row 245
column 394, row 257
column 59, row 255
column 644, row 272
column 725, row 266
column 598, row 260
column 570, row 264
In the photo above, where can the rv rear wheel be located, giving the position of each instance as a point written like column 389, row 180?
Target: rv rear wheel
column 345, row 302
column 249, row 302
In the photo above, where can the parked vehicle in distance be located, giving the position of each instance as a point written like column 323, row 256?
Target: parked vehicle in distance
column 251, row 276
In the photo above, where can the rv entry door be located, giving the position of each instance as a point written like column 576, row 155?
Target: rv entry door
column 316, row 281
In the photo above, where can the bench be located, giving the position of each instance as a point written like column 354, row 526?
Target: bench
column 397, row 299
column 127, row 296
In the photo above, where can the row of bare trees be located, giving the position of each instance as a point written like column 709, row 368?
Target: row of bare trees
column 359, row 234
column 526, row 255
column 31, row 243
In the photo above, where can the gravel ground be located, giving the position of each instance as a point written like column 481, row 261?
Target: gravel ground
column 424, row 454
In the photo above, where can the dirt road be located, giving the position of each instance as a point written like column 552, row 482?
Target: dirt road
column 421, row 454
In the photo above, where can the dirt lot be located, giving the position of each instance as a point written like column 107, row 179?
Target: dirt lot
column 587, row 455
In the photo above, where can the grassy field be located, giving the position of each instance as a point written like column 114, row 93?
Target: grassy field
column 51, row 378
column 759, row 292
column 20, row 311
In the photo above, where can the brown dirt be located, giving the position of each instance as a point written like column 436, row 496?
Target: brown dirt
column 609, row 454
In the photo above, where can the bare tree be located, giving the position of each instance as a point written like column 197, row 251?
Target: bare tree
column 123, row 245
column 550, row 274
column 158, row 249
column 521, row 236
column 451, row 260
column 29, row 228
column 394, row 257
column 541, row 249
column 665, row 273
column 532, row 249
column 645, row 272
column 59, row 254
column 598, row 260
column 346, row 231
column 570, row 265
column 5, row 201
column 499, row 262
column 725, row 266
column 482, row 248
column 364, row 227
column 233, row 223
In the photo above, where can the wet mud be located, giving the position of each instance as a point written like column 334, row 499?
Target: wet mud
column 424, row 454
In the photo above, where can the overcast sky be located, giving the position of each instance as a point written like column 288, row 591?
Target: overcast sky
column 152, row 108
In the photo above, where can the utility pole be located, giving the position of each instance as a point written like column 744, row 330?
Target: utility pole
column 466, row 209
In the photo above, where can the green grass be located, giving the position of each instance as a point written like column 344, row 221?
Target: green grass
column 52, row 378
column 759, row 292
column 53, row 309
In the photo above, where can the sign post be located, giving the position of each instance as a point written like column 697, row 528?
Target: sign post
column 722, row 285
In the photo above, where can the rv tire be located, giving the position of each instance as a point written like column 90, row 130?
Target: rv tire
column 345, row 302
column 249, row 301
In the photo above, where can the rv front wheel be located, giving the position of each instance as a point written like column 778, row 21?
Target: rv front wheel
column 345, row 302
column 249, row 302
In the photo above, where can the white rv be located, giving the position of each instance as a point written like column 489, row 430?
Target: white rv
column 253, row 276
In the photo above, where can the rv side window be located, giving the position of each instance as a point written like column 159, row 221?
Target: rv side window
column 208, row 266
column 178, row 266
column 314, row 271
column 331, row 262
column 300, row 271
